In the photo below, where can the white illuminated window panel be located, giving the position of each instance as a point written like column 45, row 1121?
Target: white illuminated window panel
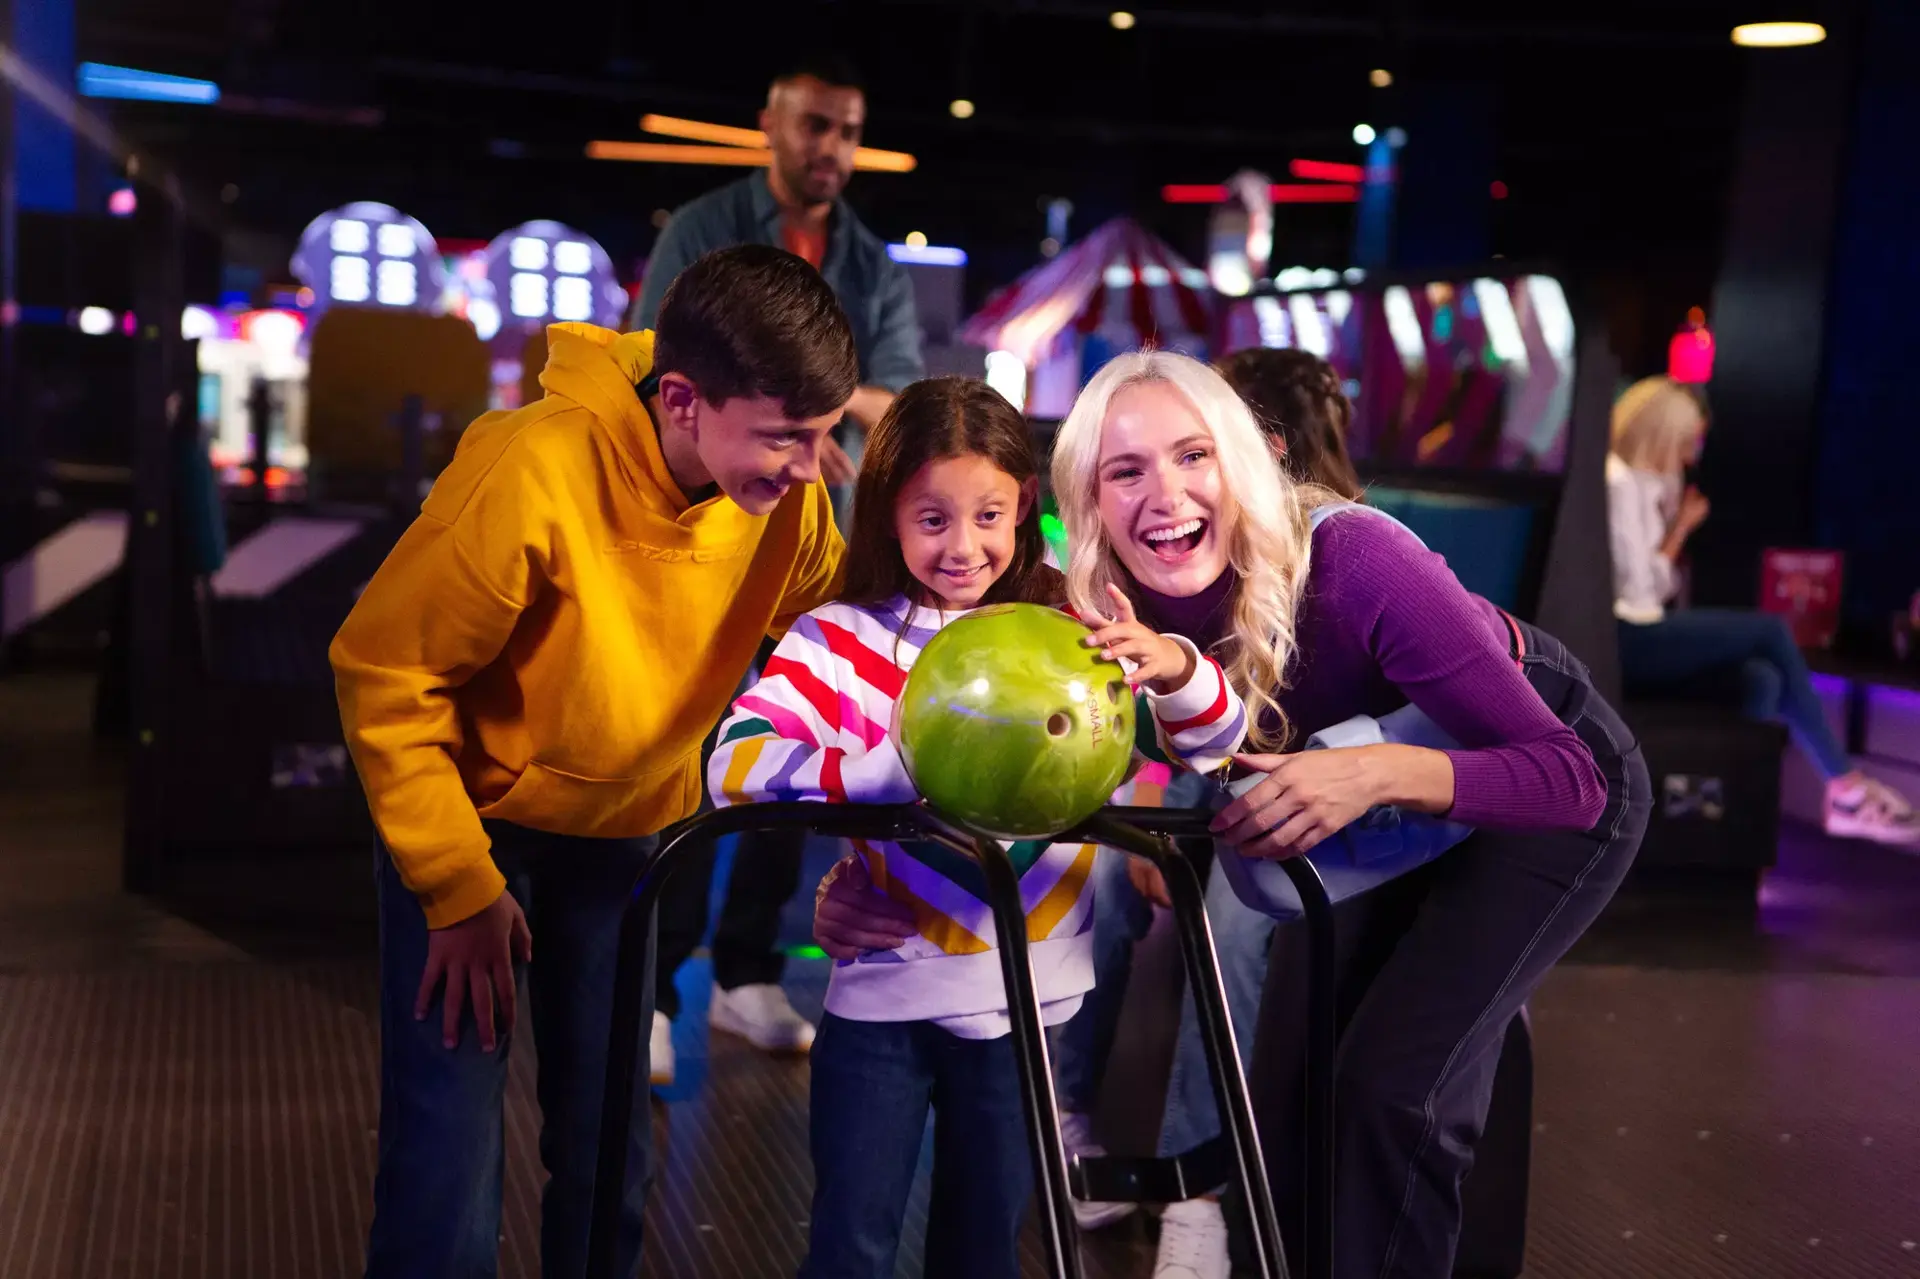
column 527, row 297
column 396, row 240
column 349, row 279
column 1503, row 329
column 571, row 257
column 527, row 254
column 1556, row 318
column 348, row 235
column 572, row 298
column 1272, row 319
column 1310, row 331
column 1403, row 323
column 399, row 285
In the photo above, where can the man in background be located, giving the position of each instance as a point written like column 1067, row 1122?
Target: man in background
column 815, row 114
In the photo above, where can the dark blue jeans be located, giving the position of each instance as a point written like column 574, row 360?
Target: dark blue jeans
column 873, row 1083
column 442, row 1153
column 1736, row 654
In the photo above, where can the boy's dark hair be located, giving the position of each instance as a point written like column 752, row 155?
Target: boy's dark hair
column 753, row 320
column 935, row 418
column 828, row 68
column 1296, row 398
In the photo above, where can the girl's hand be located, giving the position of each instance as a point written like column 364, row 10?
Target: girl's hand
column 1148, row 881
column 1158, row 662
column 1303, row 799
column 851, row 916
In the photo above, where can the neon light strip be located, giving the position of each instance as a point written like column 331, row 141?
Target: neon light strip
column 1280, row 193
column 1327, row 171
column 871, row 159
column 740, row 157
column 99, row 80
column 927, row 255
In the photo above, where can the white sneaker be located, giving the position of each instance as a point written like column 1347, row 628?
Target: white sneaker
column 1861, row 807
column 1076, row 1134
column 761, row 1015
column 660, row 1051
column 1193, row 1242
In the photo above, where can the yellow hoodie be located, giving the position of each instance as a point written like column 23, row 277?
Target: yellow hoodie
column 552, row 638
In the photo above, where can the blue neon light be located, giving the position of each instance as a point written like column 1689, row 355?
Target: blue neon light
column 98, row 80
column 927, row 255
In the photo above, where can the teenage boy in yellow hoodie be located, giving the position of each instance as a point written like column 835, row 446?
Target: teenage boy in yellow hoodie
column 525, row 686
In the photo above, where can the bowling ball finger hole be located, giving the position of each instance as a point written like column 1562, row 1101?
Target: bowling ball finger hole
column 1059, row 724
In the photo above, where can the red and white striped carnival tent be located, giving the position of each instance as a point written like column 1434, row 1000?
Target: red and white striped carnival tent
column 1117, row 288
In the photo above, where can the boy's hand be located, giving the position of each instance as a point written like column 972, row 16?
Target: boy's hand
column 835, row 466
column 476, row 957
column 1158, row 662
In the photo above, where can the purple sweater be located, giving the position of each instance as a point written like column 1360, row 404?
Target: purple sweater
column 1383, row 622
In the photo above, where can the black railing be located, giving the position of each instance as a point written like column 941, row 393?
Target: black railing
column 1144, row 832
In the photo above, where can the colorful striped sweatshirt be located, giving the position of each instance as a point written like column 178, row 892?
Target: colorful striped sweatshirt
column 818, row 727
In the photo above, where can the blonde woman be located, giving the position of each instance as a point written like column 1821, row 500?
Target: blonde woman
column 1658, row 428
column 1170, row 492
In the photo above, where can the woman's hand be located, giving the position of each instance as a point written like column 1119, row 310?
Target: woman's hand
column 851, row 916
column 1302, row 800
column 1693, row 511
column 1158, row 662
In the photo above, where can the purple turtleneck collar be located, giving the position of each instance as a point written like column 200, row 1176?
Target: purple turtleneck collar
column 1203, row 618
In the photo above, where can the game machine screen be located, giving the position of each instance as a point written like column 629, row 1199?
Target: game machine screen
column 1462, row 394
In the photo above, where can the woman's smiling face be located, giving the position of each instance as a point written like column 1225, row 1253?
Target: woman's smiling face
column 1161, row 498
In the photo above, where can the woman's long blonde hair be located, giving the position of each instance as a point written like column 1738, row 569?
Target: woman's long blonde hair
column 1655, row 425
column 1264, row 517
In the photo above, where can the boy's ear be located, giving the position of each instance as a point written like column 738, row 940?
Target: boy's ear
column 681, row 399
column 1029, row 494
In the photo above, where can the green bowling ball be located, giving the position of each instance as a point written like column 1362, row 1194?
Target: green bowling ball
column 1010, row 722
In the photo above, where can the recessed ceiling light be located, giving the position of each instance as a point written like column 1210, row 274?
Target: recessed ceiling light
column 962, row 109
column 1363, row 134
column 1121, row 20
column 1379, row 77
column 1778, row 35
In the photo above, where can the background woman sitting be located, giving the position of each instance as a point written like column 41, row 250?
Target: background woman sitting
column 1657, row 429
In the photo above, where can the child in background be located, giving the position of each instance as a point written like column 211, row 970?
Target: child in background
column 944, row 521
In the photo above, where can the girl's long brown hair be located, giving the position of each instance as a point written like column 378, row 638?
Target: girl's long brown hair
column 1297, row 400
column 936, row 418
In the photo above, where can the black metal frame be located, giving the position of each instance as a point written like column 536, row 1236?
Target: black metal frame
column 1144, row 832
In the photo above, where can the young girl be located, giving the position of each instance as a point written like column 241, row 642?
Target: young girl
column 944, row 521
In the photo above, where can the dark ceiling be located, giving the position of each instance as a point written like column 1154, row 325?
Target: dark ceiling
column 1614, row 122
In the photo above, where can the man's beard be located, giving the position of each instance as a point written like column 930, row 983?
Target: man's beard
column 802, row 182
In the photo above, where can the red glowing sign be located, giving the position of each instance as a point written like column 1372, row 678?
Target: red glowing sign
column 1281, row 193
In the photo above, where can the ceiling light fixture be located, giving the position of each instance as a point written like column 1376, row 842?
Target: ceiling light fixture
column 1778, row 35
